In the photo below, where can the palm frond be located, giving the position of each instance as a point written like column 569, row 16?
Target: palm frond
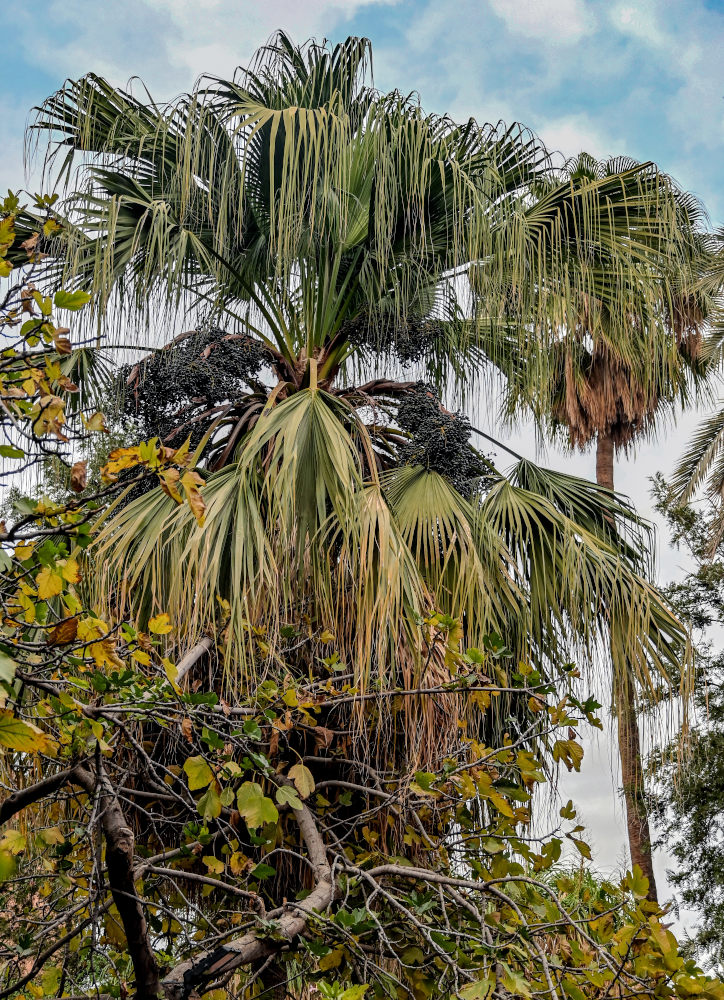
column 701, row 459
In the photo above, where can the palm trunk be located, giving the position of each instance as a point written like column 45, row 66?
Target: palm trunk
column 629, row 739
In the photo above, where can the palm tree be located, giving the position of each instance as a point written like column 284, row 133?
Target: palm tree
column 633, row 351
column 336, row 232
column 702, row 463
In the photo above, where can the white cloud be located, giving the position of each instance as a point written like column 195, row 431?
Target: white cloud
column 573, row 134
column 556, row 21
column 14, row 119
column 641, row 21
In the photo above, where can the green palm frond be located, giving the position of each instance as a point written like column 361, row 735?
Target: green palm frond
column 298, row 165
column 628, row 344
column 703, row 459
column 294, row 528
column 582, row 589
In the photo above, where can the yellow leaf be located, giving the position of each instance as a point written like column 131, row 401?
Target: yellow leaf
column 118, row 460
column 198, row 771
column 48, row 414
column 303, row 780
column 51, row 836
column 24, row 736
column 168, row 479
column 160, row 624
column 91, row 628
column 104, row 652
column 332, row 960
column 95, row 423
column 215, row 865
column 190, row 482
column 24, row 550
column 172, row 674
column 238, row 862
column 49, row 583
column 13, row 841
column 141, row 657
column 71, row 571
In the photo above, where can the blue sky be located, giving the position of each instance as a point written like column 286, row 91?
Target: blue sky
column 643, row 78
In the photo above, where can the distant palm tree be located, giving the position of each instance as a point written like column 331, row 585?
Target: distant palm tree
column 338, row 230
column 632, row 351
column 703, row 460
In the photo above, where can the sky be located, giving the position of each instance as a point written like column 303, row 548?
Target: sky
column 642, row 79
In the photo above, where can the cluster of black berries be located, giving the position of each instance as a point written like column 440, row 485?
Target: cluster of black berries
column 439, row 440
column 411, row 338
column 172, row 390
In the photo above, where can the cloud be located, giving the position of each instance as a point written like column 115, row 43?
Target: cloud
column 573, row 134
column 559, row 22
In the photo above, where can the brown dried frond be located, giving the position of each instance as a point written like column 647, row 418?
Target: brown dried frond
column 602, row 397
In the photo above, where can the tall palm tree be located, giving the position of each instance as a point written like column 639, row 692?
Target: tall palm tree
column 633, row 351
column 336, row 231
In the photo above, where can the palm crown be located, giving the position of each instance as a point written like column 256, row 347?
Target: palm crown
column 332, row 229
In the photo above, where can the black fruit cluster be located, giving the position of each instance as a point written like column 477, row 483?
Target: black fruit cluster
column 175, row 386
column 438, row 440
column 410, row 338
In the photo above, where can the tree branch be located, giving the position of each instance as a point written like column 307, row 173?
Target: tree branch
column 120, row 849
column 192, row 657
column 213, row 964
column 21, row 798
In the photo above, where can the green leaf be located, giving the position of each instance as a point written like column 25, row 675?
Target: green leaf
column 583, row 849
column 255, row 806
column 71, row 300
column 199, row 773
column 303, row 779
column 8, row 666
column 572, row 991
column 262, row 871
column 13, row 841
column 252, row 729
column 215, row 865
column 7, row 866
column 9, row 451
column 478, row 990
column 354, row 993
column 636, row 882
column 209, row 804
column 18, row 735
column 288, row 797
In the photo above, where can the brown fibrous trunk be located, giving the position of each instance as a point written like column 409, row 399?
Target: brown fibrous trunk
column 629, row 738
